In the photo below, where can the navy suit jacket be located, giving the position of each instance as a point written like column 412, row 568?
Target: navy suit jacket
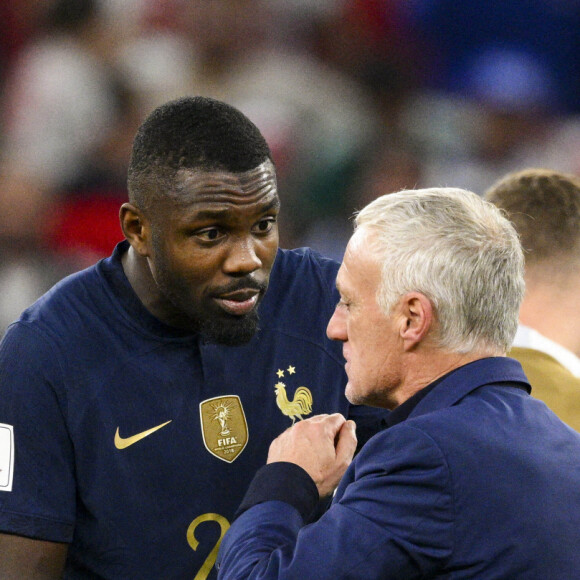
column 480, row 481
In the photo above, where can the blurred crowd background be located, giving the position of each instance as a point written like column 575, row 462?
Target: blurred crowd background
column 356, row 97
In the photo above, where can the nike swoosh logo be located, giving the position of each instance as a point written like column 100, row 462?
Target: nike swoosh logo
column 123, row 443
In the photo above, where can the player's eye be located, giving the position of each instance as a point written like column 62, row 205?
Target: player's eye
column 265, row 225
column 209, row 234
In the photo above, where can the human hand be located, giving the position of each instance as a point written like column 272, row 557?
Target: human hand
column 322, row 445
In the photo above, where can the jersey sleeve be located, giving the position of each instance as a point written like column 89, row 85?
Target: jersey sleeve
column 393, row 519
column 40, row 502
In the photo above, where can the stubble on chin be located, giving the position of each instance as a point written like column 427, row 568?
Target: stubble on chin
column 351, row 396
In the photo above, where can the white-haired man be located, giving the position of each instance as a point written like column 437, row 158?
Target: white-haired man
column 472, row 478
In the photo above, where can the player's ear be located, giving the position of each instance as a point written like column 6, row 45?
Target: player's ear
column 135, row 228
column 416, row 317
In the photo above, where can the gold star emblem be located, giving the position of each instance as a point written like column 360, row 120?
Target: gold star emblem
column 291, row 370
column 280, row 373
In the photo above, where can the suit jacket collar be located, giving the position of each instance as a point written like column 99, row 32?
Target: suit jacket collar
column 502, row 371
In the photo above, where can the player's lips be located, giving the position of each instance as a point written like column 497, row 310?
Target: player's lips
column 238, row 303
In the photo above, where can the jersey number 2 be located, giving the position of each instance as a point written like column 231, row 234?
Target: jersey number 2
column 210, row 560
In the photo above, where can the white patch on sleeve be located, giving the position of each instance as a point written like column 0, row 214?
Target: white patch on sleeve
column 6, row 456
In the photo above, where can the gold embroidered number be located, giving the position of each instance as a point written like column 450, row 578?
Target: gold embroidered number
column 210, row 560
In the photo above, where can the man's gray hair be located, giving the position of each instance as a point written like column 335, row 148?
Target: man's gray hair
column 460, row 252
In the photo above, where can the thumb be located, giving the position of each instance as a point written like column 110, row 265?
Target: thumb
column 346, row 442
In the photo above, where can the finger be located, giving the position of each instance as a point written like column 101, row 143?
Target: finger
column 324, row 418
column 346, row 442
column 334, row 424
column 335, row 421
column 316, row 418
column 326, row 425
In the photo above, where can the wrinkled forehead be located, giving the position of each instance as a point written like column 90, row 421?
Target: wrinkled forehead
column 207, row 186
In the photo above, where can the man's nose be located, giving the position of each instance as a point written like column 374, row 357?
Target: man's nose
column 336, row 329
column 243, row 257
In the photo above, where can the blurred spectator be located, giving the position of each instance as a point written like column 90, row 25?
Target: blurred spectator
column 502, row 87
column 59, row 104
column 60, row 101
column 389, row 165
column 84, row 224
column 317, row 120
column 467, row 38
column 469, row 141
column 20, row 21
column 155, row 57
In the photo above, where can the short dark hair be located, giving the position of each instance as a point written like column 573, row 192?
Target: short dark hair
column 544, row 206
column 192, row 133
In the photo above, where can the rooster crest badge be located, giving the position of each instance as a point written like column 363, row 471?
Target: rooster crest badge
column 300, row 405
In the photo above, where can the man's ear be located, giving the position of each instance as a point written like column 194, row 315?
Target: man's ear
column 135, row 227
column 416, row 318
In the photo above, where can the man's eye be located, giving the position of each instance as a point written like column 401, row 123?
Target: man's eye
column 265, row 225
column 209, row 235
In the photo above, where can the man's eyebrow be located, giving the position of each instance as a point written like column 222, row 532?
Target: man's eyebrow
column 220, row 212
column 204, row 214
column 274, row 204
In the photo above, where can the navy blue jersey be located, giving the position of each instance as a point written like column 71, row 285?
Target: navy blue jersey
column 135, row 442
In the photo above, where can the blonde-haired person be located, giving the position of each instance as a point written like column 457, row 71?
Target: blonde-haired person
column 544, row 207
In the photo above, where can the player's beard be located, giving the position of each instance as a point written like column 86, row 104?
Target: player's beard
column 212, row 323
column 234, row 331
